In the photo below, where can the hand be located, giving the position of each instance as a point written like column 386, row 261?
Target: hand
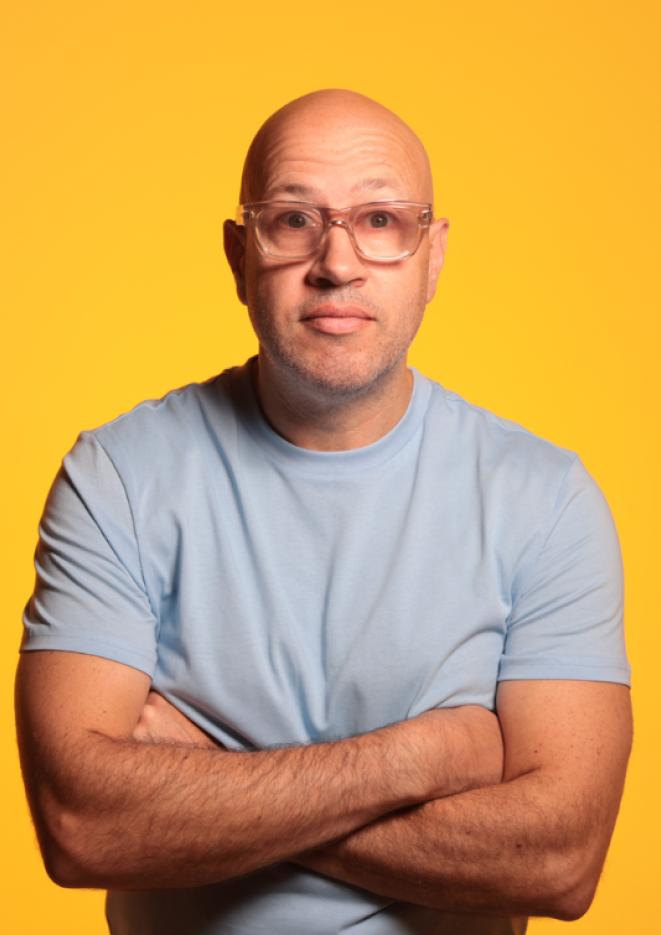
column 161, row 722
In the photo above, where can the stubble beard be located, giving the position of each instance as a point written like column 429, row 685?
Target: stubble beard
column 335, row 377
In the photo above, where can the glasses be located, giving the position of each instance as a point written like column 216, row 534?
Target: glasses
column 381, row 231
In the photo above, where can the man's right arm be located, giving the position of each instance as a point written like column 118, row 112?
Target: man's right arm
column 113, row 812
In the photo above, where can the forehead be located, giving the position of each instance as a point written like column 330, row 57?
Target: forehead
column 339, row 163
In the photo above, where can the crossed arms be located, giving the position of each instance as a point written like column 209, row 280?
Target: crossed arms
column 437, row 810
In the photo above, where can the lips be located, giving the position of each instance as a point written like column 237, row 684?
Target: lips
column 337, row 311
column 337, row 319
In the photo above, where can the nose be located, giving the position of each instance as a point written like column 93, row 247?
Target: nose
column 336, row 262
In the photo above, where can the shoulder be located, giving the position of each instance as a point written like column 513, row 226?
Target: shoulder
column 153, row 418
column 502, row 454
column 164, row 430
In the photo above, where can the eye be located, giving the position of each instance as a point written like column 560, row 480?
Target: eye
column 379, row 219
column 295, row 220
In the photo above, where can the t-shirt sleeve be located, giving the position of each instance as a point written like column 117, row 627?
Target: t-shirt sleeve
column 89, row 594
column 567, row 612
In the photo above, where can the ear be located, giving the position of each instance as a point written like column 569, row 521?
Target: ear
column 234, row 238
column 438, row 243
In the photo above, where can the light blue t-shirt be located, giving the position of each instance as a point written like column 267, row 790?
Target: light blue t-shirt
column 279, row 595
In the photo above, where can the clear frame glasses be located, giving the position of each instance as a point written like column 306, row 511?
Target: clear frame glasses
column 380, row 231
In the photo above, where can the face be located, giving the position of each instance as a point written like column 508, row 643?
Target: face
column 336, row 324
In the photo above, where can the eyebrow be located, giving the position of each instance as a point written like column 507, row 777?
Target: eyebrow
column 305, row 191
column 373, row 183
column 293, row 188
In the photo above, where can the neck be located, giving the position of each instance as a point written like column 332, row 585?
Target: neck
column 321, row 423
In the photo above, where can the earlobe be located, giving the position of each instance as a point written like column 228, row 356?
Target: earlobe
column 438, row 242
column 234, row 239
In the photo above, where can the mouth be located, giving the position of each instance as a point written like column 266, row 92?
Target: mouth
column 338, row 311
column 337, row 319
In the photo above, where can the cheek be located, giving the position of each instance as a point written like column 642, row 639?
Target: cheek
column 272, row 287
column 408, row 290
column 259, row 278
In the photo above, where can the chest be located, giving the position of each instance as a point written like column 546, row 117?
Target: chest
column 299, row 609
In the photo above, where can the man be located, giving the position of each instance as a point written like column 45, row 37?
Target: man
column 275, row 611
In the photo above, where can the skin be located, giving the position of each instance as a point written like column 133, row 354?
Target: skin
column 119, row 801
column 475, row 813
column 320, row 389
column 533, row 844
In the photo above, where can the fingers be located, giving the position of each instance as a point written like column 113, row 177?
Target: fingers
column 161, row 722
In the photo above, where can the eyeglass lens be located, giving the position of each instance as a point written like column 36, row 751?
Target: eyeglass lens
column 380, row 232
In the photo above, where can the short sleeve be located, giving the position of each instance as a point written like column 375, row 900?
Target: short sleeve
column 89, row 594
column 567, row 611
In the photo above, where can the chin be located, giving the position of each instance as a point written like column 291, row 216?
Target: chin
column 339, row 378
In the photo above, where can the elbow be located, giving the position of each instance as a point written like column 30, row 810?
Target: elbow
column 62, row 870
column 61, row 840
column 571, row 905
column 570, row 889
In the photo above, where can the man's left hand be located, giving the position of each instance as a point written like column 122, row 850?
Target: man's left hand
column 161, row 722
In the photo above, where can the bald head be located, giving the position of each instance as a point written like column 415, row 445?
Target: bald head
column 339, row 129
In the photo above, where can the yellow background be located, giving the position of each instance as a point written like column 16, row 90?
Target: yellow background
column 125, row 126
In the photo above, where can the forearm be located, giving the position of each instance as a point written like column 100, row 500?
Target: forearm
column 533, row 844
column 496, row 850
column 149, row 815
column 136, row 815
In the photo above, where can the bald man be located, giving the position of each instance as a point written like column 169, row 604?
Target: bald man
column 316, row 645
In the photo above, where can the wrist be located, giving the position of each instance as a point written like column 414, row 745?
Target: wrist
column 462, row 749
